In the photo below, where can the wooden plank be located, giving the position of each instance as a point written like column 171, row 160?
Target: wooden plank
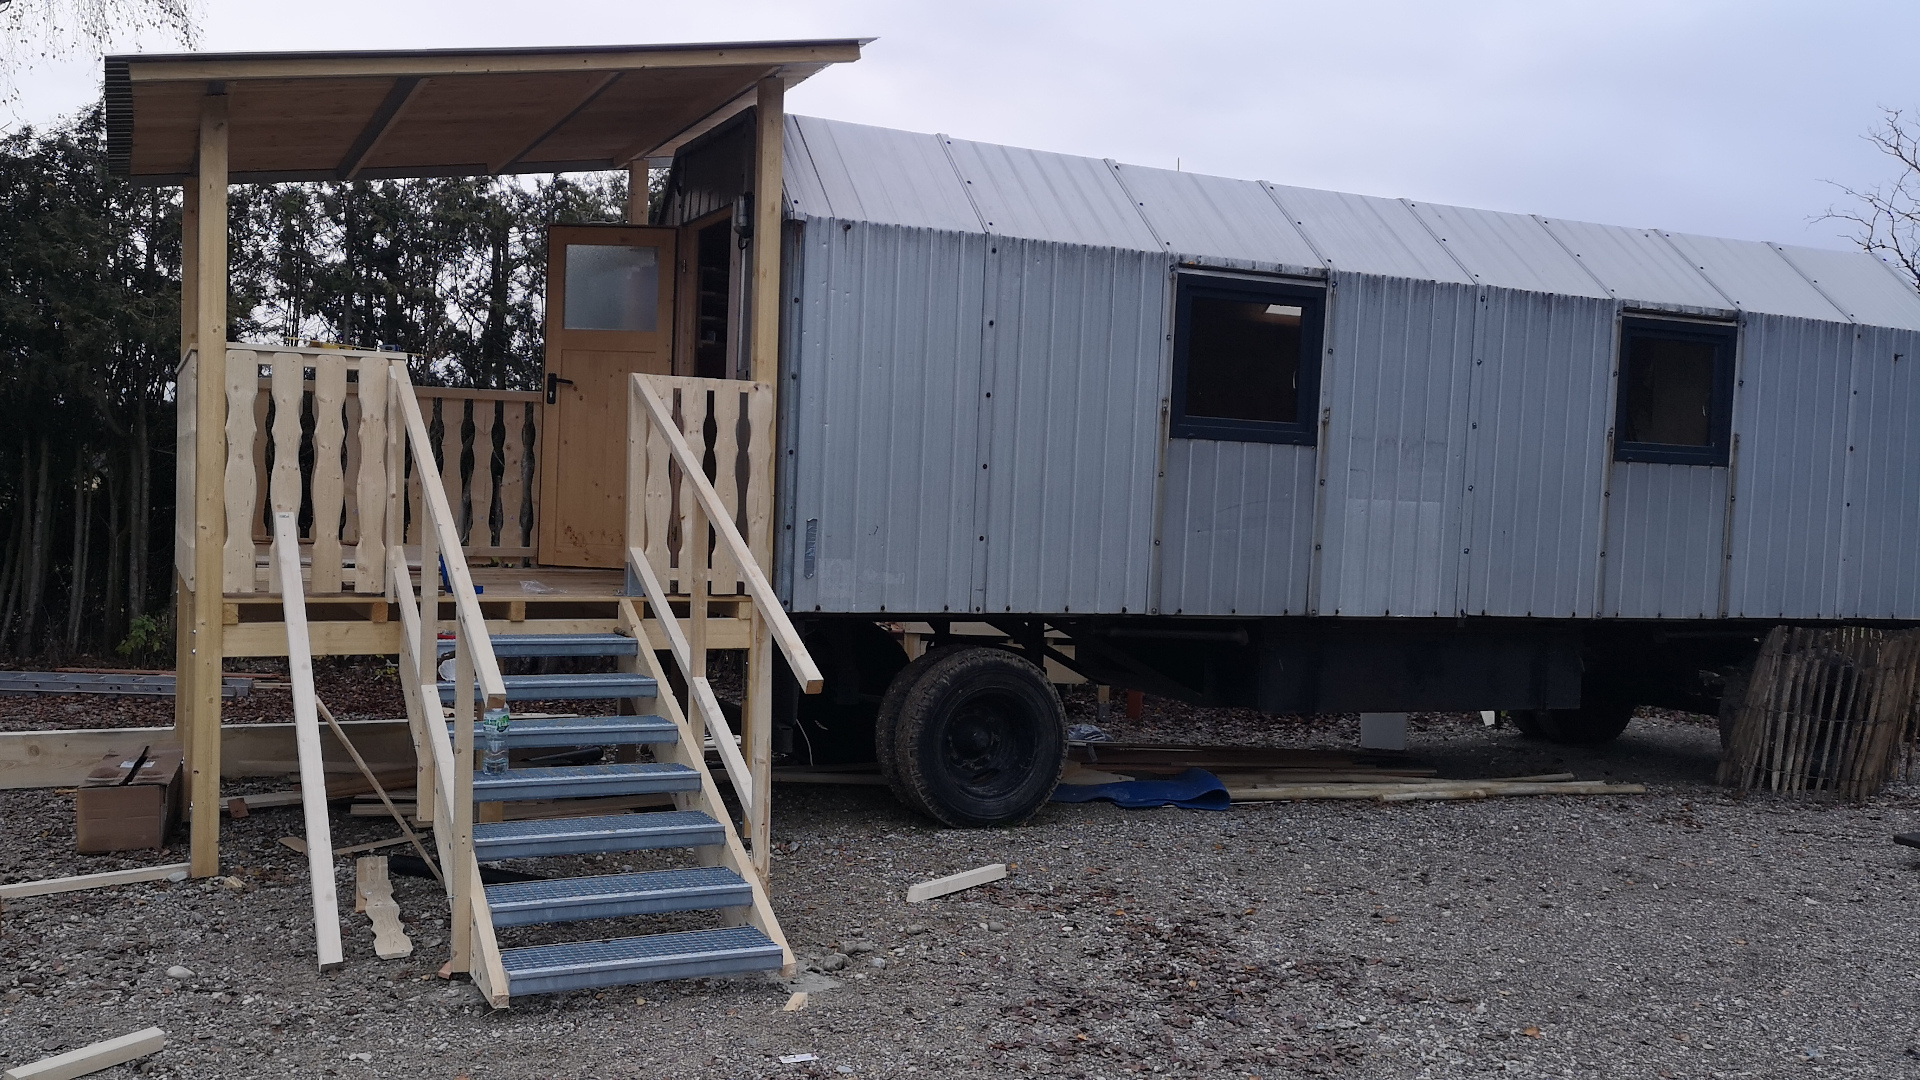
column 306, row 730
column 294, row 843
column 49, row 886
column 513, row 484
column 259, row 526
column 94, row 1058
column 283, row 483
column 756, row 722
column 350, row 489
column 725, row 411
column 329, row 481
column 373, row 894
column 953, row 883
column 772, row 56
column 241, row 391
column 660, row 478
column 761, row 460
column 480, row 481
column 370, row 483
column 185, row 454
column 41, row 759
column 209, row 511
column 452, row 420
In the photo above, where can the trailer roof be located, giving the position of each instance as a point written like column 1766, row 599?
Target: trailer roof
column 440, row 112
column 853, row 172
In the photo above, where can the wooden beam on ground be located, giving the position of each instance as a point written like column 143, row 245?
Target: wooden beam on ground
column 92, row 1059
column 209, row 482
column 42, row 759
column 294, row 843
column 49, row 886
column 953, row 883
column 306, row 729
column 373, row 894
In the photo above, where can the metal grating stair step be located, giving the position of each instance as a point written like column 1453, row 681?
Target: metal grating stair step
column 584, row 781
column 585, row 731
column 564, row 645
column 549, row 969
column 612, row 896
column 595, row 835
column 612, row 684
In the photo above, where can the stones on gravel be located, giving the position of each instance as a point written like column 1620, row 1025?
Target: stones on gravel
column 878, row 961
column 179, row 973
column 834, row 962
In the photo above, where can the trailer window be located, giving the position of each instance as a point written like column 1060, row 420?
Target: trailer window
column 1675, row 392
column 1246, row 360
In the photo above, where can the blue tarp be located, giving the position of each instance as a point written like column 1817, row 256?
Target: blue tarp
column 1195, row 789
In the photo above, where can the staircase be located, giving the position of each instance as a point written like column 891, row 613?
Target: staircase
column 469, row 809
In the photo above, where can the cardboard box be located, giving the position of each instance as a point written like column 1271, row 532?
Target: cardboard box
column 130, row 801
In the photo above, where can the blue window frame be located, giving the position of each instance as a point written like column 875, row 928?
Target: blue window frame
column 1675, row 392
column 1246, row 360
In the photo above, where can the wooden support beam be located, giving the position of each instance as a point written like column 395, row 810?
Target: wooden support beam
column 209, row 496
column 953, row 883
column 306, row 733
column 404, row 90
column 768, row 202
column 560, row 116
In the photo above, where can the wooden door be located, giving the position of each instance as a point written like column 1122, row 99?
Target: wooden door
column 609, row 313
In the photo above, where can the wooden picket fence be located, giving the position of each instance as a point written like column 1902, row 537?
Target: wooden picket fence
column 729, row 425
column 1827, row 709
column 307, row 431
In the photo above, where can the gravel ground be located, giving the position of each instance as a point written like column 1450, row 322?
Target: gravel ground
column 1682, row 933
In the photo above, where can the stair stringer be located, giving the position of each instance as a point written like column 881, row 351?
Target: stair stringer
column 689, row 751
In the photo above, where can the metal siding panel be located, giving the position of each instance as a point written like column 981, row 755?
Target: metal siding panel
column 1637, row 266
column 1508, row 251
column 1754, row 277
column 1228, row 222
column 1396, row 384
column 888, row 387
column 1362, row 234
column 1790, row 408
column 1537, row 445
column 1859, row 284
column 1040, row 196
column 800, row 178
column 1882, row 569
column 1666, row 527
column 887, row 177
column 1236, row 533
column 1077, row 369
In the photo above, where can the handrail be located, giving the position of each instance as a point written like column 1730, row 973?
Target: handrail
column 306, row 733
column 805, row 671
column 472, row 624
column 699, row 690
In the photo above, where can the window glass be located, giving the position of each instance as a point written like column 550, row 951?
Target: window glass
column 1669, row 388
column 1675, row 392
column 1243, row 360
column 1246, row 361
column 612, row 287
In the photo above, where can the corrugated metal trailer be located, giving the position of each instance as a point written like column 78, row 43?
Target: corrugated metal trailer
column 1514, row 454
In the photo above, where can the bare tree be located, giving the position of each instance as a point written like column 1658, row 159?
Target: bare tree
column 35, row 30
column 1886, row 217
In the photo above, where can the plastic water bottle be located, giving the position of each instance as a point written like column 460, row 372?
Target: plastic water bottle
column 493, row 733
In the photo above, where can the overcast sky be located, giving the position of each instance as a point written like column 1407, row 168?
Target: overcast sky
column 1711, row 116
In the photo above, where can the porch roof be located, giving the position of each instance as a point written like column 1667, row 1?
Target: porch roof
column 439, row 112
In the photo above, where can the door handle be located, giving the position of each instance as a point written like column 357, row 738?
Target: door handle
column 553, row 386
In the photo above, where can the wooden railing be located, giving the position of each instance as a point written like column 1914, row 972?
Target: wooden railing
column 307, row 432
column 683, row 524
column 446, row 765
column 728, row 427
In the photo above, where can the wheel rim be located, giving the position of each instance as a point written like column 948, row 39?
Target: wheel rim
column 988, row 746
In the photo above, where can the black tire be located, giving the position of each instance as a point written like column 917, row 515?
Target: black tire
column 1592, row 724
column 886, row 724
column 980, row 738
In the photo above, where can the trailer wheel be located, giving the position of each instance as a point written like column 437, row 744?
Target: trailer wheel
column 1592, row 724
column 979, row 737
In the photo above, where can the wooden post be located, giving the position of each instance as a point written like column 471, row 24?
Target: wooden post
column 756, row 722
column 210, row 457
column 768, row 202
column 639, row 192
column 461, row 920
column 183, row 596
